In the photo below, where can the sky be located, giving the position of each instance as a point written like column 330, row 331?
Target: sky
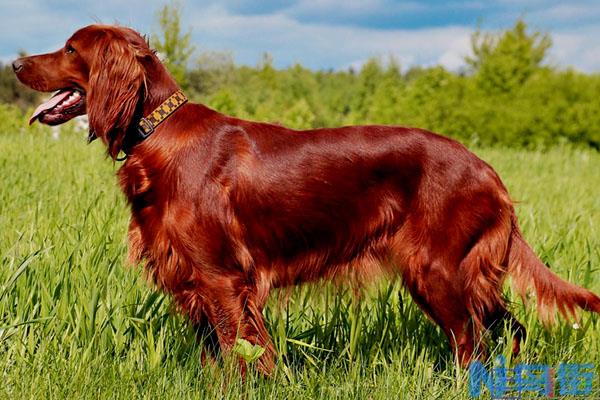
column 320, row 34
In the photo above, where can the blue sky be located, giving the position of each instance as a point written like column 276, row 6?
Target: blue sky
column 320, row 34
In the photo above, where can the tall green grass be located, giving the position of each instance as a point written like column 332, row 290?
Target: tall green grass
column 76, row 323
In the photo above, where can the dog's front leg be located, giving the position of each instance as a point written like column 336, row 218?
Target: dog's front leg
column 234, row 309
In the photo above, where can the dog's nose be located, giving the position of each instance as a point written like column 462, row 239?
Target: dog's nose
column 17, row 65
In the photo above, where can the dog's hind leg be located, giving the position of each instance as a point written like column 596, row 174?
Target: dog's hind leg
column 495, row 320
column 433, row 287
column 456, row 279
column 481, row 274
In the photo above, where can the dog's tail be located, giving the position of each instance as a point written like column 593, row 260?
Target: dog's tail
column 553, row 294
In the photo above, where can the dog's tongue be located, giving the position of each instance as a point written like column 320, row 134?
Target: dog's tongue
column 54, row 100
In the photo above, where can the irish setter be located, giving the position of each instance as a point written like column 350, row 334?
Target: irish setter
column 225, row 210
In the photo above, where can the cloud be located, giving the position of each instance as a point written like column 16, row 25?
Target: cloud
column 39, row 26
column 320, row 34
column 325, row 46
column 568, row 15
column 578, row 47
column 322, row 45
column 318, row 8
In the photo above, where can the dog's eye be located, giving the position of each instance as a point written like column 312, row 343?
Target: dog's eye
column 69, row 49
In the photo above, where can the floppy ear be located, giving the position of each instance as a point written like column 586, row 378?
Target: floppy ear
column 115, row 87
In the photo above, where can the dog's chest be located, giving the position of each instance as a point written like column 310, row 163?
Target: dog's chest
column 157, row 230
column 165, row 216
column 134, row 179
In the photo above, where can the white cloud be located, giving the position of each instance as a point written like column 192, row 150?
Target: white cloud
column 38, row 27
column 41, row 26
column 578, row 47
column 326, row 46
column 353, row 8
column 338, row 46
column 567, row 13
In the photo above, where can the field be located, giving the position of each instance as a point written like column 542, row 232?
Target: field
column 77, row 323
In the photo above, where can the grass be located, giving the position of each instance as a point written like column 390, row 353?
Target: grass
column 76, row 323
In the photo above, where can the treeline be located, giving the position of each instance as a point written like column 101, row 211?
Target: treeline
column 12, row 91
column 506, row 94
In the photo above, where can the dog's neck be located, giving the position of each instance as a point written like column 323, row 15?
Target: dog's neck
column 159, row 86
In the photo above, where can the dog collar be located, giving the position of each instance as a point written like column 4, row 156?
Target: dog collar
column 147, row 124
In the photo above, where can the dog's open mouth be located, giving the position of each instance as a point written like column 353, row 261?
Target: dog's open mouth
column 65, row 104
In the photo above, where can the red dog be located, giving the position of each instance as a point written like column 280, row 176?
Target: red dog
column 224, row 210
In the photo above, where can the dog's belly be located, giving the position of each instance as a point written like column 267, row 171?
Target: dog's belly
column 330, row 232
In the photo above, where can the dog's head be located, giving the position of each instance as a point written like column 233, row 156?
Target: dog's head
column 102, row 71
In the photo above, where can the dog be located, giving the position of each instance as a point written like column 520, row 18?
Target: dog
column 225, row 210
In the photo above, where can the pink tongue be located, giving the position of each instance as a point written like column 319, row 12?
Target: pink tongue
column 54, row 100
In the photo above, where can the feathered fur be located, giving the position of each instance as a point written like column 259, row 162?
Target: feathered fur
column 224, row 210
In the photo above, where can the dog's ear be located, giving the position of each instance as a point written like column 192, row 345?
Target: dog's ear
column 116, row 84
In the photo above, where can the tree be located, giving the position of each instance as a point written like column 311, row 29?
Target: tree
column 383, row 104
column 503, row 62
column 299, row 115
column 12, row 91
column 214, row 70
column 369, row 77
column 173, row 45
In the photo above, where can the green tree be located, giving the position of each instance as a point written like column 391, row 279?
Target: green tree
column 214, row 70
column 503, row 62
column 14, row 92
column 223, row 101
column 369, row 78
column 383, row 104
column 299, row 115
column 172, row 44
